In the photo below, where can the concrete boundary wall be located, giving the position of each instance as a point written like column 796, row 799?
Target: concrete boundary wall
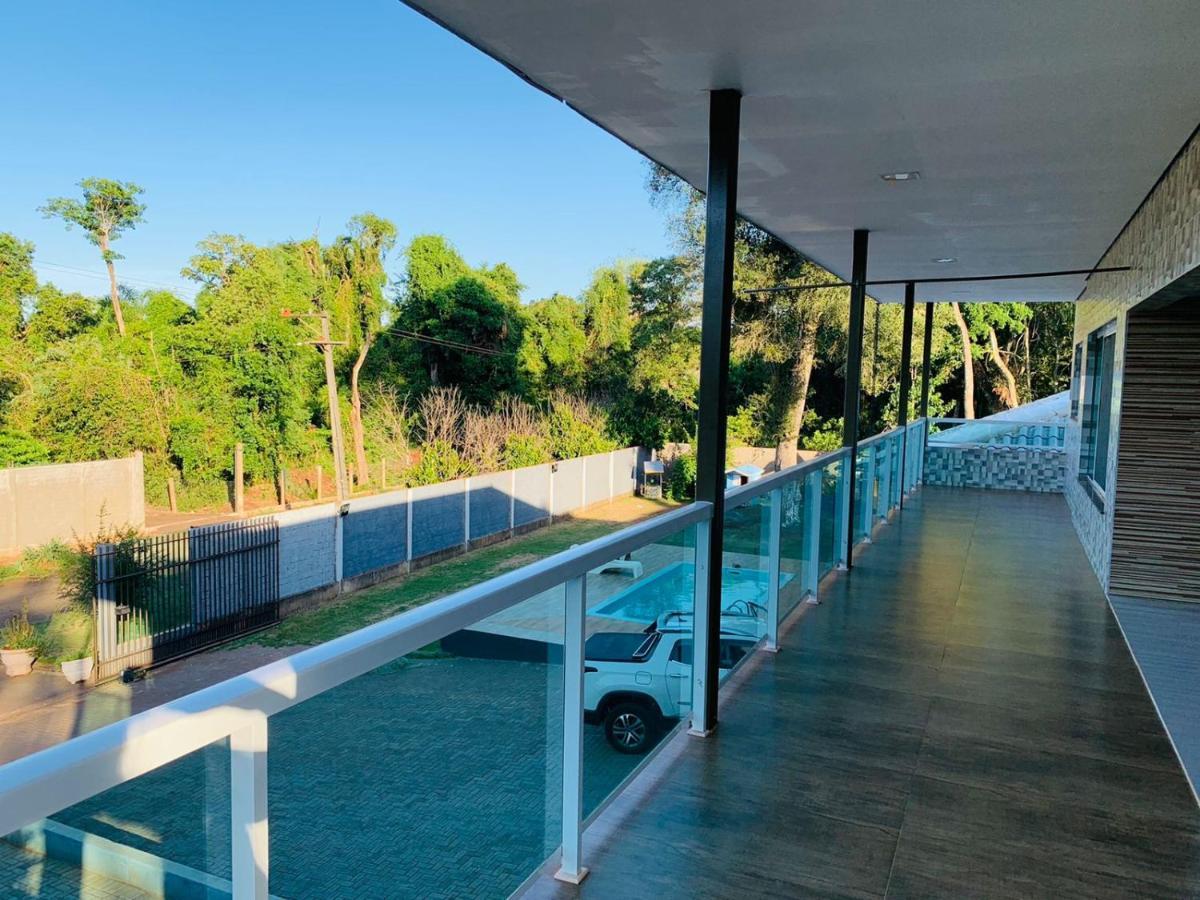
column 323, row 550
column 39, row 504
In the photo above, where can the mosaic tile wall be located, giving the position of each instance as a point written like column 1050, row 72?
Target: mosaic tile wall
column 1162, row 243
column 998, row 468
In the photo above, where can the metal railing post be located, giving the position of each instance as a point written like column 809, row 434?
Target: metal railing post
column 774, row 532
column 248, row 810
column 845, row 473
column 812, row 534
column 572, row 870
column 700, row 635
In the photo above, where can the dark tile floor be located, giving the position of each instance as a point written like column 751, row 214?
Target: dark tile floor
column 959, row 718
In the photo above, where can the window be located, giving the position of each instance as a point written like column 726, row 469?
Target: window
column 1097, row 409
column 682, row 652
column 1076, row 377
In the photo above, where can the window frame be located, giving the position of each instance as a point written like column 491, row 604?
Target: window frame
column 1096, row 394
column 1077, row 381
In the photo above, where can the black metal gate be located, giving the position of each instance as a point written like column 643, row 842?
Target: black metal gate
column 161, row 597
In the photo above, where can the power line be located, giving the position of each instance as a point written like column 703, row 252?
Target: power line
column 440, row 342
column 132, row 279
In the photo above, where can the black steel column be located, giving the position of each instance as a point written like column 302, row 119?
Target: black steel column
column 854, row 340
column 925, row 362
column 910, row 295
column 720, row 205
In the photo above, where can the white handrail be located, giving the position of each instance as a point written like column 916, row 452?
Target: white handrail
column 998, row 423
column 43, row 783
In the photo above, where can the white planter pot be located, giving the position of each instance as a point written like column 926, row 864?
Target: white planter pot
column 17, row 662
column 77, row 670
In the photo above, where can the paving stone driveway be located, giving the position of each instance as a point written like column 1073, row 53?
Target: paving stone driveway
column 431, row 779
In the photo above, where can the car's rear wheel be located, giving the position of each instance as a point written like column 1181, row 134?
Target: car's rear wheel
column 630, row 727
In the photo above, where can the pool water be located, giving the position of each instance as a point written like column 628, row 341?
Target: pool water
column 673, row 588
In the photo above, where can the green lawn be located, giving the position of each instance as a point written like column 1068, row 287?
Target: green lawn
column 408, row 591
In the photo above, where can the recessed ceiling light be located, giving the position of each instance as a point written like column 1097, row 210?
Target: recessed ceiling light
column 945, row 259
column 901, row 176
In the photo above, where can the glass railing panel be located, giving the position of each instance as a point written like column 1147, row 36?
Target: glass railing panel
column 879, row 485
column 828, row 523
column 745, row 567
column 998, row 433
column 793, row 548
column 165, row 833
column 638, row 658
column 864, row 493
column 897, row 480
column 437, row 774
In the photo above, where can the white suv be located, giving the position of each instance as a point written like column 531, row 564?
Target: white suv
column 636, row 684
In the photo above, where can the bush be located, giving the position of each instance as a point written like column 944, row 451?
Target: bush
column 68, row 635
column 18, row 634
column 576, row 428
column 521, row 450
column 77, row 568
column 19, row 449
column 681, row 482
column 439, row 462
column 823, row 437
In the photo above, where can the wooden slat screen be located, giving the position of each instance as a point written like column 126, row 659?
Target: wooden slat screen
column 1156, row 525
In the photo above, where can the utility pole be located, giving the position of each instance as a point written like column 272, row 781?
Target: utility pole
column 326, row 344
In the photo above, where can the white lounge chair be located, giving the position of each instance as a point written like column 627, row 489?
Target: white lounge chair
column 625, row 566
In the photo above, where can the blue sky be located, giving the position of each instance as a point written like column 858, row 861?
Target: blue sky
column 272, row 119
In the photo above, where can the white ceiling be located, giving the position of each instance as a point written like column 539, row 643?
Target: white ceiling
column 1037, row 125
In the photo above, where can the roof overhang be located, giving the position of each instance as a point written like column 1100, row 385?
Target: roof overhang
column 1037, row 127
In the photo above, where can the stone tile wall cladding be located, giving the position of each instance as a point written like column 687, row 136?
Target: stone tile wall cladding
column 381, row 535
column 998, row 468
column 1162, row 244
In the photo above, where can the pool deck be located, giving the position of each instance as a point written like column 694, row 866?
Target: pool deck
column 540, row 618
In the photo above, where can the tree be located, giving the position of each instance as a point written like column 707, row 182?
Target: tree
column 17, row 281
column 356, row 260
column 781, row 328
column 465, row 326
column 1046, row 344
column 555, row 347
column 656, row 384
column 968, row 362
column 219, row 257
column 606, row 308
column 107, row 210
column 57, row 317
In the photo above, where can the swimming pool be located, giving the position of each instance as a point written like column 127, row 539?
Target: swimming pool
column 673, row 588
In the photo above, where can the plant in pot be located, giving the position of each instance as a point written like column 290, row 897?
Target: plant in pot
column 68, row 639
column 19, row 644
column 79, row 668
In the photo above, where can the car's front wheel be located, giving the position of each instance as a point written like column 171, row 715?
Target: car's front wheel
column 630, row 727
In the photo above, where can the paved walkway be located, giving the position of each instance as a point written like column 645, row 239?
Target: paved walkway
column 41, row 595
column 31, row 875
column 959, row 718
column 75, row 710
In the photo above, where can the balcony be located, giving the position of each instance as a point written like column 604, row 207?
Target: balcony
column 958, row 715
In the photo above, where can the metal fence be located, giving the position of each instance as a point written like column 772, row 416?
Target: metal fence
column 161, row 597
